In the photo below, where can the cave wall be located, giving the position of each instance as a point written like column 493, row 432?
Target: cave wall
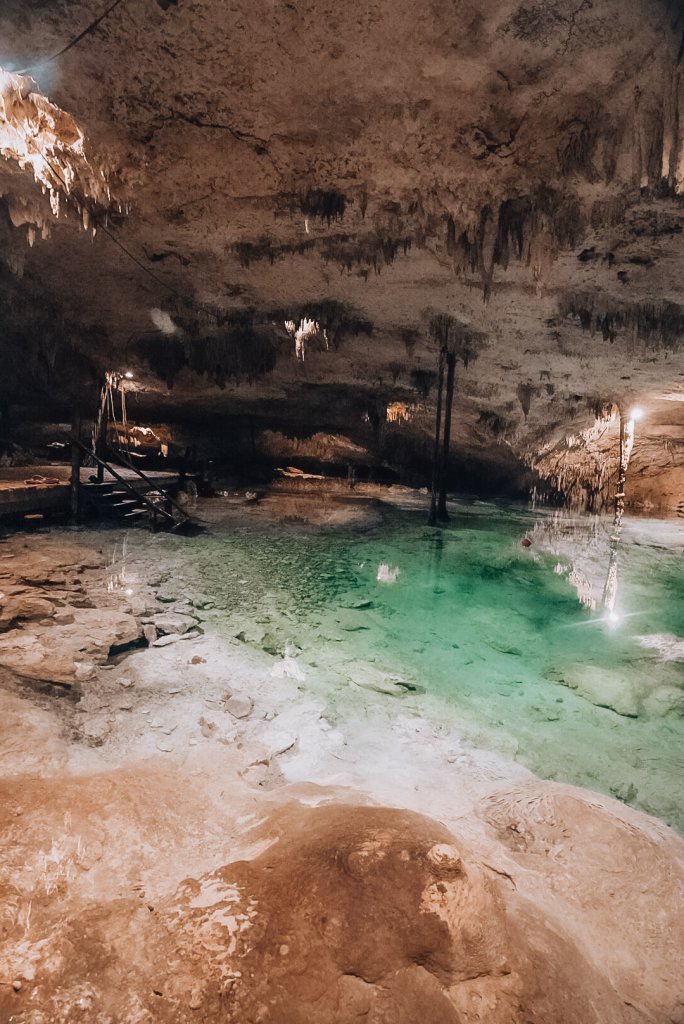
column 283, row 214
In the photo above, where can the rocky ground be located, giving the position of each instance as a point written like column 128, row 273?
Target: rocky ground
column 188, row 833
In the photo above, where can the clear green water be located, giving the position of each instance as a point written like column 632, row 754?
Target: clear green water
column 487, row 626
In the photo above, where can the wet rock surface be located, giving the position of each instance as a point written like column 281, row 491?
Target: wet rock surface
column 257, row 828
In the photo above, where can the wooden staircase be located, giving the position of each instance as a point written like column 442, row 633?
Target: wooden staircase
column 131, row 502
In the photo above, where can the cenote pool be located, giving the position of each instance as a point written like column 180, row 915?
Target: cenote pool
column 510, row 643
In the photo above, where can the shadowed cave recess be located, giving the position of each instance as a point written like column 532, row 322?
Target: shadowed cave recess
column 341, row 497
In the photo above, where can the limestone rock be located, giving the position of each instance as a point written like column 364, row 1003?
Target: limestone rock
column 603, row 687
column 394, row 920
column 239, row 707
column 150, row 632
column 172, row 638
column 166, row 640
column 24, row 607
column 96, row 729
column 64, row 618
column 371, row 678
column 664, row 700
column 52, row 654
column 173, row 622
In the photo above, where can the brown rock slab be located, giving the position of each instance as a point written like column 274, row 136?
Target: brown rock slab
column 53, row 654
column 380, row 914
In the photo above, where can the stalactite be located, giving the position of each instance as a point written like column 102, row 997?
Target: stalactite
column 372, row 252
column 410, row 338
column 48, row 142
column 240, row 353
column 400, row 412
column 487, row 239
column 581, row 469
column 497, row 425
column 165, row 356
column 607, row 213
column 576, row 151
column 328, row 205
column 303, row 332
column 653, row 136
column 656, row 324
column 335, row 318
column 423, row 381
column 528, row 229
column 264, row 249
column 436, row 458
column 525, row 393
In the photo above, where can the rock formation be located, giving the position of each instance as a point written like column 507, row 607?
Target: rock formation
column 375, row 913
column 382, row 171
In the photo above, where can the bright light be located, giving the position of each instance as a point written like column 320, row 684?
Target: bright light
column 387, row 575
column 636, row 414
column 128, row 375
column 47, row 141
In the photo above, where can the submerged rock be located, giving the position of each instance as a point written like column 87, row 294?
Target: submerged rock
column 668, row 646
column 371, row 678
column 603, row 687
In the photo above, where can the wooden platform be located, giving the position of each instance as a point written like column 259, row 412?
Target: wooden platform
column 18, row 496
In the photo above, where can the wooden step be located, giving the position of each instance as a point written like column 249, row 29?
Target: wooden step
column 113, row 495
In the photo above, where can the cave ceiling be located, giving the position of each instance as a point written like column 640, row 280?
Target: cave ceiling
column 502, row 176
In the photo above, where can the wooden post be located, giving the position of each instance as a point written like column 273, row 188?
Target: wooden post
column 75, row 492
column 442, row 513
column 101, row 431
column 432, row 517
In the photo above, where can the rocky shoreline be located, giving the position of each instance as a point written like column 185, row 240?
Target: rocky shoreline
column 191, row 832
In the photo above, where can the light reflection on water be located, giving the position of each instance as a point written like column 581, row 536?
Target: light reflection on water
column 513, row 639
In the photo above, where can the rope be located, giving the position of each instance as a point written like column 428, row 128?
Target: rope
column 74, row 42
column 102, row 227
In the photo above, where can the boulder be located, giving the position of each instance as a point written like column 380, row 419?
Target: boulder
column 172, row 638
column 24, row 607
column 54, row 653
column 173, row 622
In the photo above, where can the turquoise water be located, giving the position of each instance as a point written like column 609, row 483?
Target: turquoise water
column 503, row 635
